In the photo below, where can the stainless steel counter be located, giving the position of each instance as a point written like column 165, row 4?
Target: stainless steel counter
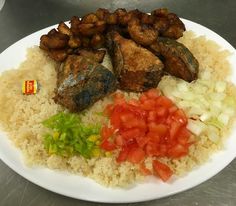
column 19, row 18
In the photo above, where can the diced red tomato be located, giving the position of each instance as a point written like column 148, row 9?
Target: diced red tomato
column 154, row 137
column 174, row 129
column 164, row 101
column 123, row 155
column 130, row 121
column 119, row 141
column 162, row 170
column 163, row 149
column 151, row 126
column 178, row 151
column 107, row 145
column 180, row 117
column 136, row 155
column 149, row 104
column 127, row 117
column 134, row 102
column 132, row 133
column 172, row 109
column 162, row 111
column 142, row 140
column 152, row 116
column 115, row 117
column 144, row 170
column 106, row 132
column 153, row 93
column 143, row 98
column 151, row 150
column 183, row 136
column 108, row 110
column 160, row 129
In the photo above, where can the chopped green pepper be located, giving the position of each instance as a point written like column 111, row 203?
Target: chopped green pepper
column 69, row 136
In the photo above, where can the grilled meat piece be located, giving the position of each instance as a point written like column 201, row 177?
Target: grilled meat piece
column 177, row 58
column 54, row 40
column 168, row 24
column 92, row 54
column 136, row 68
column 142, row 34
column 81, row 82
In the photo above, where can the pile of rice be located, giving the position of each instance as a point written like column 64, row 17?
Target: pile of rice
column 21, row 116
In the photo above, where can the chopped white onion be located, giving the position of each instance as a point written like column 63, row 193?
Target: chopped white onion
column 204, row 100
column 196, row 127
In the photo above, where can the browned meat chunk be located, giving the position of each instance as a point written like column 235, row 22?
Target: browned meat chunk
column 81, row 82
column 64, row 29
column 177, row 58
column 168, row 24
column 97, row 41
column 94, row 55
column 136, row 68
column 54, row 40
column 143, row 34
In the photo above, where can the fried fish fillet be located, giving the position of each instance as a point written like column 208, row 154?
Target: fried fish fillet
column 81, row 82
column 137, row 69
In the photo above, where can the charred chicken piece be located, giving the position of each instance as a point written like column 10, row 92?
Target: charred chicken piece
column 136, row 68
column 58, row 55
column 54, row 40
column 74, row 25
column 142, row 33
column 89, row 29
column 92, row 54
column 102, row 14
column 111, row 19
column 74, row 42
column 176, row 28
column 177, row 58
column 147, row 19
column 97, row 41
column 82, row 82
column 89, row 19
column 122, row 30
column 168, row 24
column 64, row 29
column 121, row 13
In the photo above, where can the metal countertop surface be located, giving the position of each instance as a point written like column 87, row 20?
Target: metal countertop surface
column 19, row 18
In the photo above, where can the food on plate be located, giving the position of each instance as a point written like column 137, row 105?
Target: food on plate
column 94, row 55
column 149, row 127
column 177, row 58
column 70, row 137
column 126, row 34
column 136, row 68
column 81, row 82
column 143, row 34
column 155, row 124
column 168, row 24
column 54, row 40
column 90, row 30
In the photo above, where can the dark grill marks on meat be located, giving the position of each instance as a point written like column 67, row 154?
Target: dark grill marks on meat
column 81, row 82
column 136, row 68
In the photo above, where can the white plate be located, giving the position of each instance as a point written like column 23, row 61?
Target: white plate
column 86, row 189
